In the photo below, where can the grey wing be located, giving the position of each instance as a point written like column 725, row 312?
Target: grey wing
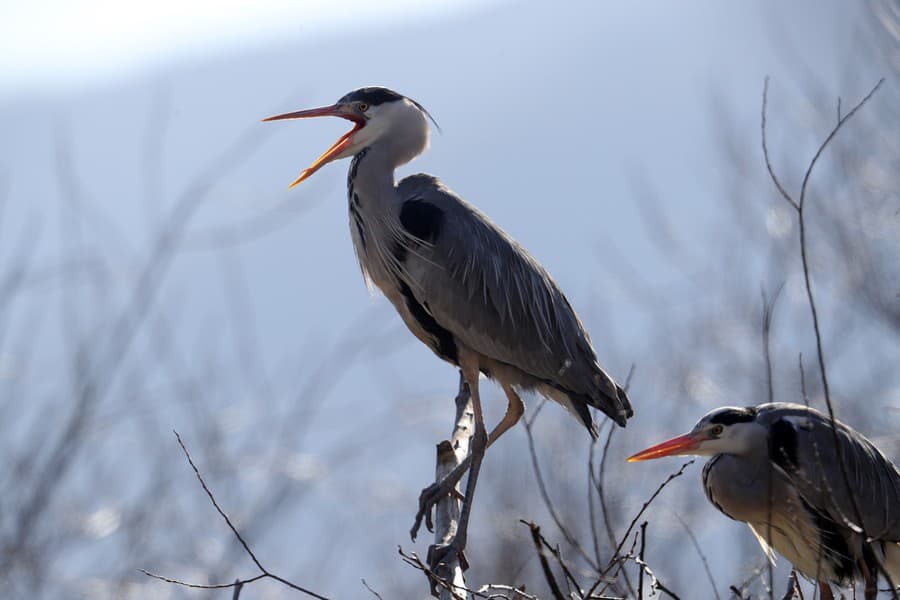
column 479, row 284
column 802, row 444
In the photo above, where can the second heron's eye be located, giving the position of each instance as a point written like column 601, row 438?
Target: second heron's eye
column 717, row 430
column 363, row 107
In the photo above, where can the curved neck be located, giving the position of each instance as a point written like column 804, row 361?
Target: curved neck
column 371, row 178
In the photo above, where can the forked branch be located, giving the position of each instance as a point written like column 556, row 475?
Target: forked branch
column 239, row 583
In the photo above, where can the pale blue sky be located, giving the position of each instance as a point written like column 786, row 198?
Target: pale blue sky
column 52, row 42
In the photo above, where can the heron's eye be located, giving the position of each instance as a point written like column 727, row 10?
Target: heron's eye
column 363, row 107
column 717, row 430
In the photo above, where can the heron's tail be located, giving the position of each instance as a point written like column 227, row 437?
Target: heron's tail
column 607, row 397
column 611, row 399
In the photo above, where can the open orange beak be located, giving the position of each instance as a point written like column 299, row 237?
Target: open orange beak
column 336, row 110
column 682, row 444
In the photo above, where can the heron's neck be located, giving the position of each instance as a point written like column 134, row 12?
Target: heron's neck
column 370, row 182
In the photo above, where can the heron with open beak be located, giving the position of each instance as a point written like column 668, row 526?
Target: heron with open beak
column 460, row 283
column 776, row 467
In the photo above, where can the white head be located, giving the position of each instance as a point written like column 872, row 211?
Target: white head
column 728, row 430
column 380, row 116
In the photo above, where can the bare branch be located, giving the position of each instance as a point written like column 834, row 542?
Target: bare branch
column 649, row 501
column 413, row 560
column 774, row 177
column 239, row 582
column 858, row 525
column 768, row 314
column 709, row 575
column 545, row 564
column 201, row 586
column 374, row 593
column 545, row 496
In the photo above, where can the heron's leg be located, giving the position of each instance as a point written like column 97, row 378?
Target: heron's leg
column 470, row 369
column 871, row 580
column 514, row 411
column 825, row 591
column 434, row 492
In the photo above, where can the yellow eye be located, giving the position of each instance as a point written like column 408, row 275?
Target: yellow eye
column 363, row 107
column 717, row 430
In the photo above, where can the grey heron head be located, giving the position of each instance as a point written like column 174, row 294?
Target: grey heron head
column 378, row 115
column 728, row 430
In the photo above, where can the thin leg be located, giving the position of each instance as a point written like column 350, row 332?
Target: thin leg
column 871, row 579
column 471, row 371
column 514, row 411
column 430, row 495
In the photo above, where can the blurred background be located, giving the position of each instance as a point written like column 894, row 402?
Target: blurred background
column 156, row 274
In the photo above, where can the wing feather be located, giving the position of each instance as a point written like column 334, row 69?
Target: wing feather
column 874, row 480
column 487, row 290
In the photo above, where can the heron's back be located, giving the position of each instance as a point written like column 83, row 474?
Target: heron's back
column 476, row 282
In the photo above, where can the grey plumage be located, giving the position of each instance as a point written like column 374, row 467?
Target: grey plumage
column 775, row 467
column 495, row 298
column 461, row 284
column 476, row 283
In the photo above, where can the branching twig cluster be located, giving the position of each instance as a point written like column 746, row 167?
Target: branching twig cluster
column 855, row 523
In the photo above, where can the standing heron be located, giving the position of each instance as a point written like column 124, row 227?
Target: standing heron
column 461, row 284
column 776, row 468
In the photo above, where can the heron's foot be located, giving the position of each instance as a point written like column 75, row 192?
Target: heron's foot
column 429, row 497
column 439, row 554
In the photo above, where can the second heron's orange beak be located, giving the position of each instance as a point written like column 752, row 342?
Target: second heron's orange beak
column 683, row 444
column 336, row 110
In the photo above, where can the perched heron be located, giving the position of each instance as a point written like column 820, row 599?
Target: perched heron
column 461, row 284
column 776, row 468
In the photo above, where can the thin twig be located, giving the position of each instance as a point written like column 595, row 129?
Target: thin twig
column 823, row 372
column 812, row 305
column 557, row 554
column 216, row 504
column 641, row 556
column 374, row 593
column 600, row 486
column 739, row 590
column 768, row 315
column 592, row 517
column 793, row 586
column 598, row 482
column 709, row 575
column 655, row 583
column 640, row 513
column 238, row 582
column 542, row 487
column 413, row 560
column 545, row 564
column 774, row 177
column 201, row 586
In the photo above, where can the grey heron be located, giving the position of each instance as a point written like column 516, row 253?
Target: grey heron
column 776, row 468
column 460, row 283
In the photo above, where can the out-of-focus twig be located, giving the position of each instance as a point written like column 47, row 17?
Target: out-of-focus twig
column 545, row 564
column 709, row 575
column 545, row 496
column 823, row 371
column 264, row 573
column 793, row 588
column 649, row 501
column 373, row 592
